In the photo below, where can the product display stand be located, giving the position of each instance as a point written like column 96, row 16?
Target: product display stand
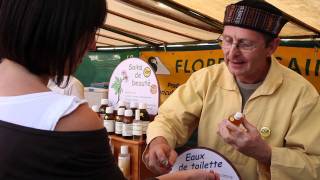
column 138, row 170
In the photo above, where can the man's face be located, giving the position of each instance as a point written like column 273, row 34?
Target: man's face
column 245, row 54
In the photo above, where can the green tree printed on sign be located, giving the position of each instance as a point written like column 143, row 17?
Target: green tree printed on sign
column 116, row 86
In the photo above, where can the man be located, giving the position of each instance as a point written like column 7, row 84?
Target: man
column 281, row 136
column 74, row 87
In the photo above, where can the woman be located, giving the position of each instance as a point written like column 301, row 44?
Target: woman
column 45, row 135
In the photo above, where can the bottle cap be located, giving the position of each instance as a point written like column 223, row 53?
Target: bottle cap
column 238, row 116
column 133, row 105
column 121, row 111
column 104, row 101
column 121, row 103
column 95, row 108
column 128, row 113
column 124, row 150
column 137, row 114
column 109, row 110
column 142, row 106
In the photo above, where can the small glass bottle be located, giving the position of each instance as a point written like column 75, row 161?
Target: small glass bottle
column 95, row 108
column 144, row 117
column 119, row 119
column 127, row 124
column 102, row 108
column 236, row 119
column 133, row 107
column 111, row 146
column 109, row 120
column 122, row 104
column 137, row 127
column 124, row 161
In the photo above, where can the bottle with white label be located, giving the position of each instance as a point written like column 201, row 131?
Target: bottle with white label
column 124, row 161
column 102, row 108
column 111, row 147
column 119, row 119
column 137, row 127
column 144, row 117
column 127, row 124
column 133, row 107
column 95, row 108
column 109, row 120
column 122, row 104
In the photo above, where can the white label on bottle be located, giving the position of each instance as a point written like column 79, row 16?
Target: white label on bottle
column 126, row 129
column 118, row 127
column 109, row 125
column 145, row 126
column 124, row 165
column 137, row 129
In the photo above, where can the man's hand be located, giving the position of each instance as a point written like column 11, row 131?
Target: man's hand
column 159, row 157
column 247, row 141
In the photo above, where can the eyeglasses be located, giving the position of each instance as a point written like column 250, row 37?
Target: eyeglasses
column 242, row 45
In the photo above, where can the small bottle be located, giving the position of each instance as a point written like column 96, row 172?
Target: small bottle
column 133, row 107
column 122, row 104
column 95, row 108
column 137, row 127
column 236, row 119
column 111, row 146
column 144, row 117
column 119, row 119
column 109, row 120
column 127, row 124
column 124, row 161
column 102, row 108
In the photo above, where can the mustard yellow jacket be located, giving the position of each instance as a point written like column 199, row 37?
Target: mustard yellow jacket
column 285, row 103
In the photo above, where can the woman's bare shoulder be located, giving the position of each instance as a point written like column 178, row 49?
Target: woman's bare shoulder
column 82, row 119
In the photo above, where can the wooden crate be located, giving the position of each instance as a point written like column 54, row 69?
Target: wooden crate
column 138, row 170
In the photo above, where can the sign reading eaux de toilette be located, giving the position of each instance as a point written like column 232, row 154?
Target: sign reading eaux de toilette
column 203, row 158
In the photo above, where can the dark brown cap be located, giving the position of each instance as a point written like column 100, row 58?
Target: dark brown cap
column 256, row 15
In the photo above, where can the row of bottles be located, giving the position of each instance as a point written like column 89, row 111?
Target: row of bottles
column 130, row 123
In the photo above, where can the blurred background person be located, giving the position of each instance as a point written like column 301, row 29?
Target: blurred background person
column 71, row 87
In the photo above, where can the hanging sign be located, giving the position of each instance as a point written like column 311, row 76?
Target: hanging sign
column 133, row 80
column 206, row 159
column 173, row 68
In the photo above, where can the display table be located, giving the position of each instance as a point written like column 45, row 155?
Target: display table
column 138, row 170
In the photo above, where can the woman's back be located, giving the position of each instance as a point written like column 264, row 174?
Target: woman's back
column 40, row 40
column 44, row 135
column 37, row 110
column 19, row 86
column 28, row 153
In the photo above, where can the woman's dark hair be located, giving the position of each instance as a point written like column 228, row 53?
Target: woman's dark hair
column 49, row 37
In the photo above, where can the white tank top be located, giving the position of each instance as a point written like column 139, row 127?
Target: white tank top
column 38, row 110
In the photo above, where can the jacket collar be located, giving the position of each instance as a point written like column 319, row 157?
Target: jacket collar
column 270, row 84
